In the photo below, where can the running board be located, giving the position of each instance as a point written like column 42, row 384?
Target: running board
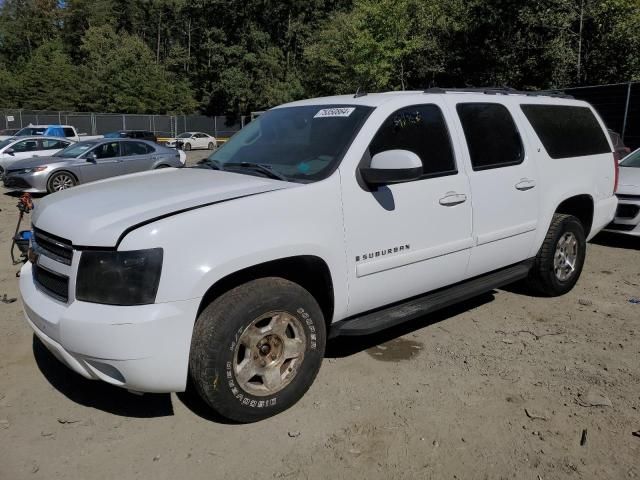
column 381, row 319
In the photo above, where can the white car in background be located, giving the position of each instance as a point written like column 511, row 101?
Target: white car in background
column 627, row 218
column 193, row 140
column 18, row 148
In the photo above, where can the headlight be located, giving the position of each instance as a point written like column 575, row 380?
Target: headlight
column 119, row 278
column 31, row 170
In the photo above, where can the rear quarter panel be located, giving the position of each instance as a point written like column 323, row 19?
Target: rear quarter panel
column 563, row 178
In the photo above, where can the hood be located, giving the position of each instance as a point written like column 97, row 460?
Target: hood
column 36, row 162
column 629, row 181
column 98, row 213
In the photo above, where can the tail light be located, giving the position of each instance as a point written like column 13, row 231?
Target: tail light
column 616, row 167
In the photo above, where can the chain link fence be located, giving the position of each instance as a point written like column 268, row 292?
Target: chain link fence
column 619, row 106
column 101, row 123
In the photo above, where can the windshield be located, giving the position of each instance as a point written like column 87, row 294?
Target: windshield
column 631, row 160
column 6, row 142
column 29, row 131
column 298, row 143
column 75, row 150
column 184, row 135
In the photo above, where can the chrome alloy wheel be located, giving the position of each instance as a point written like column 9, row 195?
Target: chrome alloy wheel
column 566, row 256
column 62, row 181
column 268, row 353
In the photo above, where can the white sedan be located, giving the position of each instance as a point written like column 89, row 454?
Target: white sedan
column 627, row 219
column 193, row 140
column 17, row 148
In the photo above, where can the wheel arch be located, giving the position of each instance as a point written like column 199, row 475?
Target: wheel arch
column 308, row 271
column 580, row 206
column 62, row 170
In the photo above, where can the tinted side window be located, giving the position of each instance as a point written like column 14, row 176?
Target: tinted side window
column 54, row 144
column 567, row 131
column 421, row 129
column 107, row 150
column 492, row 136
column 25, row 146
column 134, row 148
column 68, row 132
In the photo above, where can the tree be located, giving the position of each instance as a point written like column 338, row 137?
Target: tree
column 49, row 81
column 120, row 75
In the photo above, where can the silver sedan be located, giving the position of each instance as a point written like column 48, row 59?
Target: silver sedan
column 89, row 161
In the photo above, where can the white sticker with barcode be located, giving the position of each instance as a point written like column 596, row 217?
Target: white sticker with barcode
column 334, row 112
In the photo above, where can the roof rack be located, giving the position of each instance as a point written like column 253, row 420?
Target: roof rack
column 500, row 91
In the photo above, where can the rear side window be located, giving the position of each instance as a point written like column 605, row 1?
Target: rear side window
column 54, row 144
column 135, row 148
column 492, row 136
column 567, row 131
column 68, row 132
column 422, row 130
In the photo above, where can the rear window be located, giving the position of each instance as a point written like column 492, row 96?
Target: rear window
column 567, row 131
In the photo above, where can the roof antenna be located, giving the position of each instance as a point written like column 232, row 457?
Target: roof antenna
column 359, row 93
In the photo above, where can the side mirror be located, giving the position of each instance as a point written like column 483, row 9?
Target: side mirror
column 92, row 157
column 392, row 166
column 9, row 151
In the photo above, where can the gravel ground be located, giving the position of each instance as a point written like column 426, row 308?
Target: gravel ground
column 504, row 386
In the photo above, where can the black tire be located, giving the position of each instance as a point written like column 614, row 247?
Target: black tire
column 186, row 147
column 218, row 343
column 57, row 177
column 544, row 277
column 211, row 146
column 162, row 166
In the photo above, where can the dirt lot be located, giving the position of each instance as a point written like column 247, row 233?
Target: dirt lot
column 499, row 387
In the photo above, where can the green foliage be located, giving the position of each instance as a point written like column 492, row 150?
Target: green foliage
column 236, row 56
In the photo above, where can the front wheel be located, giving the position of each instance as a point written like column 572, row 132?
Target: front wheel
column 61, row 181
column 186, row 147
column 257, row 349
column 559, row 262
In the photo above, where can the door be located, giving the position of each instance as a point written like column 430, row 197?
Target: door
column 409, row 238
column 106, row 163
column 200, row 140
column 137, row 156
column 503, row 184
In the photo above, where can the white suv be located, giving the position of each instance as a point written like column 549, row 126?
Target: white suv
column 333, row 216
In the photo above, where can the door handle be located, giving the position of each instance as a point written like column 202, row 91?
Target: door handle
column 452, row 199
column 525, row 184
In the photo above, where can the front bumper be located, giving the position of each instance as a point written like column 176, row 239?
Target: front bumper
column 143, row 348
column 32, row 183
column 627, row 219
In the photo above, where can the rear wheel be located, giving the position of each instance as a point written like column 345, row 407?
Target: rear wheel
column 162, row 166
column 211, row 146
column 257, row 349
column 61, row 181
column 559, row 262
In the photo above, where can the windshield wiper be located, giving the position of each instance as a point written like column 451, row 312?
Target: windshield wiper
column 209, row 163
column 268, row 171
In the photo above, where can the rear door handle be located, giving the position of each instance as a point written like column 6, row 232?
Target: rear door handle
column 452, row 199
column 525, row 184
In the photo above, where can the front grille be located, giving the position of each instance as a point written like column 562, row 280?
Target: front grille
column 51, row 283
column 627, row 211
column 54, row 247
column 15, row 182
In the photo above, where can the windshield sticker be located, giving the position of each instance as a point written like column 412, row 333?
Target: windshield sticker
column 334, row 112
